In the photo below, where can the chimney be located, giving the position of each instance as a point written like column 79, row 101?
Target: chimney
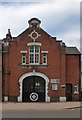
column 9, row 31
column 8, row 35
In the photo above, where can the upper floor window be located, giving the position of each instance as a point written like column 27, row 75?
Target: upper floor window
column 75, row 88
column 34, row 54
column 44, row 58
column 23, row 58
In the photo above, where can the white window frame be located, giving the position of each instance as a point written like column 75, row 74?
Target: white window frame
column 53, row 88
column 34, row 55
column 44, row 51
column 34, row 44
column 23, row 51
column 23, row 58
column 44, row 57
column 76, row 86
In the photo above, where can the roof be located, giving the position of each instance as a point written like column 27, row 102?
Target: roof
column 72, row 50
column 34, row 19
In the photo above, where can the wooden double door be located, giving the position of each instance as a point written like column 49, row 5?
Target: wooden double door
column 33, row 89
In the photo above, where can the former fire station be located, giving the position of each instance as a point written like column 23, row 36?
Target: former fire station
column 38, row 68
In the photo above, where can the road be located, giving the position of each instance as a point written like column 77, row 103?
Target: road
column 64, row 113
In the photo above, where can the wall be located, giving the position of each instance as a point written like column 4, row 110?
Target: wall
column 55, row 69
column 73, row 72
column 0, row 71
column 60, row 66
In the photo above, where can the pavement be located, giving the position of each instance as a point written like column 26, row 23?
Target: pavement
column 40, row 106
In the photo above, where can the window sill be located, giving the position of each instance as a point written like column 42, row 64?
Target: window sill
column 44, row 64
column 23, row 64
column 75, row 93
column 34, row 65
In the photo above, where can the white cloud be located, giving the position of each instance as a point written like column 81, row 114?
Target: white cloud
column 71, row 38
column 53, row 15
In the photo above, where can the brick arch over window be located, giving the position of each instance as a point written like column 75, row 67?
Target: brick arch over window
column 47, row 98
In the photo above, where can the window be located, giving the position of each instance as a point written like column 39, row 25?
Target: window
column 23, row 58
column 75, row 88
column 54, row 87
column 34, row 25
column 34, row 54
column 44, row 58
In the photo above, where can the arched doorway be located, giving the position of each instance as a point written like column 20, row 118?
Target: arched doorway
column 33, row 89
column 42, row 76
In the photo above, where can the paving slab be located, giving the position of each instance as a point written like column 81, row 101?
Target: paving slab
column 39, row 106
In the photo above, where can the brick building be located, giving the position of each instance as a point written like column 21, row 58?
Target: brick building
column 81, row 79
column 0, row 70
column 39, row 68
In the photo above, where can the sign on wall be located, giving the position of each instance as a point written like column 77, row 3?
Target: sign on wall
column 54, row 87
column 62, row 86
column 55, row 80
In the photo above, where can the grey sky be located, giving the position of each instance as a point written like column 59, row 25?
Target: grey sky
column 60, row 19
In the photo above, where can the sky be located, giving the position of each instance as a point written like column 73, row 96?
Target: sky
column 60, row 19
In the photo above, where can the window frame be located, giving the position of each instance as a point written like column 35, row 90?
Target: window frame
column 76, row 86
column 23, row 58
column 43, row 58
column 34, row 53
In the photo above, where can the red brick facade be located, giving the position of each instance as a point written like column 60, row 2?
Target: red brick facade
column 61, row 64
column 0, row 71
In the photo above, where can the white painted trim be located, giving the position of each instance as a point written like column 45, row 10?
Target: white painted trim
column 44, row 64
column 44, row 51
column 6, row 43
column 24, row 57
column 34, row 63
column 34, row 56
column 75, row 93
column 47, row 98
column 34, row 38
column 34, row 43
column 62, row 99
column 43, row 60
column 6, row 98
column 23, row 51
column 31, row 64
column 24, row 64
column 34, row 21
